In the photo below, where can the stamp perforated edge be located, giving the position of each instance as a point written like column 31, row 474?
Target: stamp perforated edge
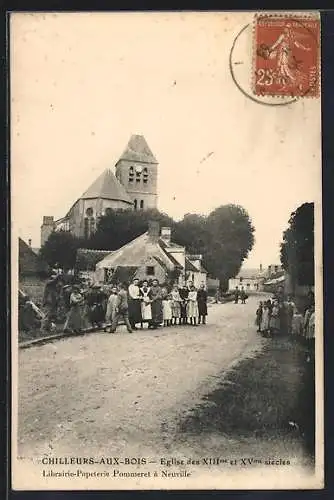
column 307, row 16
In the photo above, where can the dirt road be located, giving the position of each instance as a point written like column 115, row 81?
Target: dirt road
column 104, row 392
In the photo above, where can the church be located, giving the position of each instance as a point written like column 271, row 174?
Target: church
column 132, row 187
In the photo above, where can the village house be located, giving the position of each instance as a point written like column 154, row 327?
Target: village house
column 149, row 256
column 258, row 279
column 132, row 187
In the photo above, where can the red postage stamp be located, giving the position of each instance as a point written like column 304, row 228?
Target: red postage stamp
column 287, row 55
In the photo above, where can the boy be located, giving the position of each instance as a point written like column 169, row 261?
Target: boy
column 121, row 309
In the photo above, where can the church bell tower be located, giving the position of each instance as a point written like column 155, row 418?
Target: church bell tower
column 137, row 170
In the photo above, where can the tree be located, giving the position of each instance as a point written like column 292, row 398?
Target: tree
column 224, row 238
column 231, row 239
column 61, row 248
column 297, row 248
column 118, row 227
column 192, row 233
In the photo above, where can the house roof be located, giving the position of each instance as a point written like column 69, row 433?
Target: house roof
column 274, row 281
column 29, row 262
column 138, row 150
column 86, row 259
column 108, row 187
column 136, row 252
column 249, row 274
column 190, row 266
column 123, row 274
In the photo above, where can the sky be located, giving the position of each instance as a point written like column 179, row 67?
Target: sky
column 82, row 84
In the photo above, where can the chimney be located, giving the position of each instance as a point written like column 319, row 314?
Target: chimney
column 48, row 220
column 29, row 242
column 166, row 233
column 153, row 230
column 261, row 268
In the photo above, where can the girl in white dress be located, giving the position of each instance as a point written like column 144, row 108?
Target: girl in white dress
column 167, row 310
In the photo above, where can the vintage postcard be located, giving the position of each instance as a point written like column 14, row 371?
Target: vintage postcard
column 166, row 251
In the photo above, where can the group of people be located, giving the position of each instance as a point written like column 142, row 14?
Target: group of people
column 149, row 303
column 79, row 307
column 279, row 316
column 240, row 294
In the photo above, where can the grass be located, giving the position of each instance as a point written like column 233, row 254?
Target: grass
column 268, row 396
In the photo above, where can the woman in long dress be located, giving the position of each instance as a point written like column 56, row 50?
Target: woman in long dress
column 282, row 49
column 145, row 295
column 265, row 320
column 156, row 297
column 275, row 323
column 74, row 319
column 192, row 307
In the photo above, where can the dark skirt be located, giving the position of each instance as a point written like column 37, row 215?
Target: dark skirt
column 135, row 311
column 157, row 315
column 74, row 320
column 202, row 308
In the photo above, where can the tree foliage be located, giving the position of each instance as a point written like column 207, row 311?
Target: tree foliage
column 119, row 227
column 61, row 248
column 297, row 248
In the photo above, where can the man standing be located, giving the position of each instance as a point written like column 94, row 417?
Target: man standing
column 236, row 295
column 202, row 298
column 243, row 296
column 134, row 304
column 121, row 309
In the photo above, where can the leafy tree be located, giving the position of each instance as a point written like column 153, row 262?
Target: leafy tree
column 231, row 240
column 61, row 248
column 297, row 248
column 192, row 232
column 118, row 227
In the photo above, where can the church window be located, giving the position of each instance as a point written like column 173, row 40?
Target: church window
column 131, row 174
column 135, row 204
column 141, row 204
column 108, row 211
column 150, row 270
column 89, row 212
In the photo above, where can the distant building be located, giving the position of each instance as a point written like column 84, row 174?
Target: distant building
column 134, row 187
column 152, row 255
column 254, row 279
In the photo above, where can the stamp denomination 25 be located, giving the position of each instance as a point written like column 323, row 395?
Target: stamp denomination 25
column 287, row 56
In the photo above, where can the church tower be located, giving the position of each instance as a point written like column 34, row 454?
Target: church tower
column 137, row 170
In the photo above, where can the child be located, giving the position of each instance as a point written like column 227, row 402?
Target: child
column 176, row 306
column 192, row 307
column 259, row 316
column 111, row 308
column 265, row 320
column 167, row 310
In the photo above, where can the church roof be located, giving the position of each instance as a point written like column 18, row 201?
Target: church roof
column 108, row 187
column 138, row 150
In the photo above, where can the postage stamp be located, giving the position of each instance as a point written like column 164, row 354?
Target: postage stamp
column 286, row 58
